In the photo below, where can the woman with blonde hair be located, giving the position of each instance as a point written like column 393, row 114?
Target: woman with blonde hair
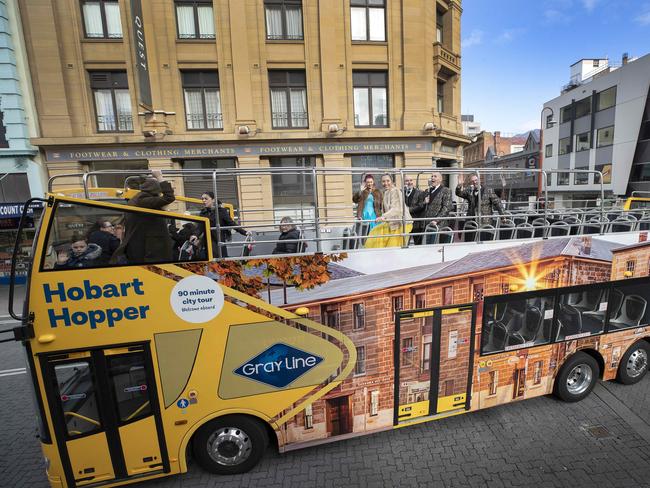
column 394, row 213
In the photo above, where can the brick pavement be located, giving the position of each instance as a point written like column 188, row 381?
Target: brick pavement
column 540, row 442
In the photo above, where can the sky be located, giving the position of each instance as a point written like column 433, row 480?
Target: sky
column 516, row 54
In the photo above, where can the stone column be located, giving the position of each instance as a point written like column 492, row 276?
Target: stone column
column 256, row 195
column 335, row 192
column 419, row 160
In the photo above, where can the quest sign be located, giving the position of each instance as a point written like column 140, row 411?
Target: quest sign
column 231, row 150
column 141, row 63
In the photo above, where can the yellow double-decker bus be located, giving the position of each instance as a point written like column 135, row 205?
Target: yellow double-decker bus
column 155, row 351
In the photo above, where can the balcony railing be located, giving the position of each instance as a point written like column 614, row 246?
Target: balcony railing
column 288, row 120
column 213, row 120
column 446, row 57
column 109, row 123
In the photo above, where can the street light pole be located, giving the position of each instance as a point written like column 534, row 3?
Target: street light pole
column 551, row 123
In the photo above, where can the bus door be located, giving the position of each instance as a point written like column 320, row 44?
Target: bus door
column 105, row 410
column 433, row 351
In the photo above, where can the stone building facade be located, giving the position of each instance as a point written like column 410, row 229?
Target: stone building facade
column 246, row 84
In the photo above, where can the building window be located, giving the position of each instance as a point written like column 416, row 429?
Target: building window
column 565, row 114
column 196, row 184
column 549, row 121
column 293, row 192
column 370, row 98
column 537, row 374
column 374, row 403
column 202, row 100
column 368, row 20
column 549, row 151
column 398, row 303
column 583, row 141
column 494, row 383
column 124, row 170
column 331, row 317
column 370, row 161
column 309, row 417
column 644, row 134
column 581, row 178
column 112, row 101
column 407, row 351
column 102, row 19
column 426, row 354
column 283, row 20
column 360, row 366
column 564, row 147
column 583, row 107
column 630, row 265
column 605, row 136
column 14, row 187
column 448, row 295
column 419, row 300
column 359, row 316
column 439, row 31
column 562, row 179
column 440, row 100
column 3, row 132
column 288, row 99
column 194, row 19
column 606, row 99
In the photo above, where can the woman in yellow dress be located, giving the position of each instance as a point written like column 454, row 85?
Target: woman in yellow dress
column 386, row 234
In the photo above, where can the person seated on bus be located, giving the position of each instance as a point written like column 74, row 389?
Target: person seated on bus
column 79, row 254
column 288, row 232
column 104, row 237
column 188, row 233
column 225, row 220
column 146, row 238
column 390, row 232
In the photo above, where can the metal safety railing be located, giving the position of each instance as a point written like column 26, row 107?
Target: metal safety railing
column 538, row 221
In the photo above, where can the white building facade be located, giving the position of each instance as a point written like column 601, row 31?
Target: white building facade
column 600, row 125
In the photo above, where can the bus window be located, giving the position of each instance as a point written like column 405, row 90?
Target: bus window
column 516, row 323
column 639, row 204
column 89, row 236
column 628, row 307
column 582, row 313
column 76, row 390
column 128, row 379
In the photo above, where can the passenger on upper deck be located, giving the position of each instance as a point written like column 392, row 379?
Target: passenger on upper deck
column 146, row 238
column 489, row 201
column 368, row 200
column 435, row 205
column 105, row 238
column 80, row 254
column 288, row 231
column 390, row 222
column 224, row 221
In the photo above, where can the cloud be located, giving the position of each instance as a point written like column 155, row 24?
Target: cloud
column 509, row 35
column 475, row 38
column 553, row 15
column 590, row 5
column 644, row 17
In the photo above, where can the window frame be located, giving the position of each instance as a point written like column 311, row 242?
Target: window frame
column 202, row 88
column 105, row 36
column 355, row 316
column 360, row 363
column 287, row 87
column 556, row 293
column 598, row 95
column 562, row 150
column 577, row 147
column 368, row 88
column 583, row 102
column 126, row 209
column 283, row 7
column 112, row 88
column 195, row 10
column 365, row 4
column 598, row 144
column 566, row 114
column 548, row 151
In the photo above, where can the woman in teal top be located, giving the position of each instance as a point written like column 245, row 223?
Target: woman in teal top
column 369, row 211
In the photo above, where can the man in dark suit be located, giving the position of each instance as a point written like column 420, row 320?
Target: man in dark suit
column 487, row 199
column 435, row 205
column 414, row 201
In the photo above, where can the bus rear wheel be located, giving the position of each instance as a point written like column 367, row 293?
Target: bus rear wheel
column 634, row 364
column 577, row 378
column 232, row 444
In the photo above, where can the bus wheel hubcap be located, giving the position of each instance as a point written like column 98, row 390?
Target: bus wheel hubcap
column 229, row 446
column 579, row 379
column 637, row 363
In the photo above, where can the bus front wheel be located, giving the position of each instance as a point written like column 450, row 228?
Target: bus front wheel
column 577, row 377
column 634, row 364
column 230, row 445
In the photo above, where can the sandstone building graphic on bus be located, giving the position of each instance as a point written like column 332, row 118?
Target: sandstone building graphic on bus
column 363, row 307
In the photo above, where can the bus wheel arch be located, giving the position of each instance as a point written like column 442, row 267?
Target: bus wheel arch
column 599, row 359
column 633, row 366
column 577, row 377
column 230, row 444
